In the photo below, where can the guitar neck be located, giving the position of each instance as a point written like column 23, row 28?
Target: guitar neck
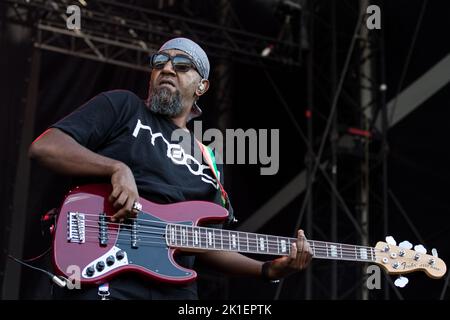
column 202, row 239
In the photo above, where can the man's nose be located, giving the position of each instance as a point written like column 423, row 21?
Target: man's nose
column 168, row 68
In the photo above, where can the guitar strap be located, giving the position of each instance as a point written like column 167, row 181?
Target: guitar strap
column 210, row 159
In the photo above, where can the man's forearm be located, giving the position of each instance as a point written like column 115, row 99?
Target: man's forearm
column 232, row 263
column 61, row 153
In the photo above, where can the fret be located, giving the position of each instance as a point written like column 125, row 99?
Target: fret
column 209, row 238
column 193, row 233
column 278, row 245
column 225, row 239
column 333, row 250
column 253, row 242
column 217, row 237
column 221, row 239
column 261, row 245
column 175, row 234
column 243, row 244
column 202, row 238
column 363, row 253
column 196, row 238
column 321, row 249
column 188, row 235
column 183, row 235
column 340, row 245
column 169, row 234
column 229, row 240
column 272, row 244
column 233, row 240
column 348, row 252
column 206, row 235
column 238, row 242
column 289, row 242
column 180, row 234
column 248, row 248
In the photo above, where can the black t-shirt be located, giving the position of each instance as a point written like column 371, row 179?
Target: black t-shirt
column 166, row 161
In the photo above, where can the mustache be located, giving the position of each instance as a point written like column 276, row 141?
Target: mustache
column 167, row 80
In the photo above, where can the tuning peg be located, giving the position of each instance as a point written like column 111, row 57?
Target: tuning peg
column 434, row 252
column 420, row 249
column 401, row 282
column 405, row 245
column 390, row 240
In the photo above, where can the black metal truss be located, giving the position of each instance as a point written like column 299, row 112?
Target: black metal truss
column 125, row 34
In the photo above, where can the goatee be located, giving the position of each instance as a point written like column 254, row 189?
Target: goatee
column 165, row 102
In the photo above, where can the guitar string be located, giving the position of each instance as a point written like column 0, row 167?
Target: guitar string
column 203, row 228
column 190, row 234
column 164, row 223
column 273, row 241
column 162, row 244
column 313, row 243
column 271, row 246
column 191, row 237
column 241, row 249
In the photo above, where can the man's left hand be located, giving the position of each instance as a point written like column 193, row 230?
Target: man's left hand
column 299, row 259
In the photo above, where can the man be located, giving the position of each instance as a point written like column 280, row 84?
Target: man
column 120, row 139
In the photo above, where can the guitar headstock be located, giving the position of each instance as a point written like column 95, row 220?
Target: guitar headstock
column 401, row 259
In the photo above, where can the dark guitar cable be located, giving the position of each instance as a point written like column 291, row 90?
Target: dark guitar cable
column 60, row 281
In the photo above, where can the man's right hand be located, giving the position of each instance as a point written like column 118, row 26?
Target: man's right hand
column 124, row 193
column 60, row 152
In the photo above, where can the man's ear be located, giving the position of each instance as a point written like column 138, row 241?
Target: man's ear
column 202, row 87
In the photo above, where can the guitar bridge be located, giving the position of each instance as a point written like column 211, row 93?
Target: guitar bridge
column 76, row 227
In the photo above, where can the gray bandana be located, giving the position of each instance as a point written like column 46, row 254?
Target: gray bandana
column 199, row 58
column 197, row 54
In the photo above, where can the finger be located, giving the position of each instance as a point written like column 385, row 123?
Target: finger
column 306, row 257
column 120, row 215
column 293, row 254
column 114, row 194
column 309, row 255
column 303, row 248
column 300, row 242
column 300, row 238
column 129, row 205
column 121, row 200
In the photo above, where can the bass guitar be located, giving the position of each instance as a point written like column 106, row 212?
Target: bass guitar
column 86, row 237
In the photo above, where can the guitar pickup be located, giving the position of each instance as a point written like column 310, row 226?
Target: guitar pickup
column 76, row 227
column 102, row 230
column 134, row 232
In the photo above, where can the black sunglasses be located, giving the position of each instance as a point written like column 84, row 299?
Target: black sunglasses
column 180, row 62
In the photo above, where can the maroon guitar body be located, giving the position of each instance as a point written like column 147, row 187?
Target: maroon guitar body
column 86, row 238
